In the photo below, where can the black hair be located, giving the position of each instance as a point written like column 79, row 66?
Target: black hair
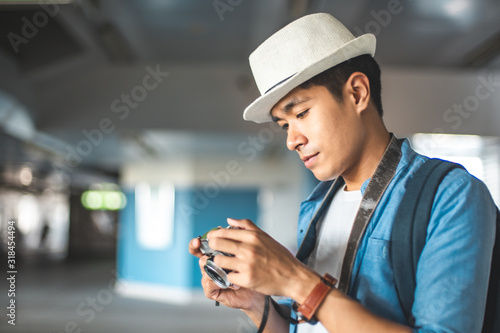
column 335, row 78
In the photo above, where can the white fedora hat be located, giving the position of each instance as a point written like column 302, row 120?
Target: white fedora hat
column 298, row 52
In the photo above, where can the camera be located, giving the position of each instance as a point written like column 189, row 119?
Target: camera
column 216, row 273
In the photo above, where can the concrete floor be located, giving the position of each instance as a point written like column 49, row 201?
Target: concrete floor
column 58, row 298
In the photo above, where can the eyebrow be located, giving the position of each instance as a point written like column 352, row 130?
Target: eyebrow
column 289, row 106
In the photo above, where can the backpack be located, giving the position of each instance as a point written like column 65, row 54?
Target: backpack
column 409, row 234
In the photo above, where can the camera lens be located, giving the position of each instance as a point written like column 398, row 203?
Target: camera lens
column 217, row 274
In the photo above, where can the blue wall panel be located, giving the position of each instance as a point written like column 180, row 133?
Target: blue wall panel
column 238, row 204
column 195, row 213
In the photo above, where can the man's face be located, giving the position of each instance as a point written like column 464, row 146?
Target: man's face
column 326, row 134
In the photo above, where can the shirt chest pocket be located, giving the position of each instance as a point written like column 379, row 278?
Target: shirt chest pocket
column 375, row 272
column 373, row 286
column 377, row 250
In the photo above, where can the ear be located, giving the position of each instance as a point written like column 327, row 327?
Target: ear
column 358, row 91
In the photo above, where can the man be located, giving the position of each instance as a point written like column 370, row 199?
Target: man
column 322, row 86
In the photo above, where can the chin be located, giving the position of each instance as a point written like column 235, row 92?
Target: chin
column 324, row 177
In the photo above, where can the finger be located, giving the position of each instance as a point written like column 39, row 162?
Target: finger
column 210, row 289
column 242, row 224
column 227, row 263
column 234, row 287
column 238, row 279
column 202, row 262
column 225, row 245
column 194, row 247
column 236, row 235
column 208, row 285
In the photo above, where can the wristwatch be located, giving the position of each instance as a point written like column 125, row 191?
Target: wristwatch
column 306, row 310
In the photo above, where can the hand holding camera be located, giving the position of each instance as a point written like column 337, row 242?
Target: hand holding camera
column 250, row 264
column 216, row 273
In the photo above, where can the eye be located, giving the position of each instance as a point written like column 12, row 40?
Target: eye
column 302, row 114
column 284, row 127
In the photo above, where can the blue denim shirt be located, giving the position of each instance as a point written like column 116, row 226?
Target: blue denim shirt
column 453, row 271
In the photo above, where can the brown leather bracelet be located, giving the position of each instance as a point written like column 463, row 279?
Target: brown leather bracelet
column 316, row 297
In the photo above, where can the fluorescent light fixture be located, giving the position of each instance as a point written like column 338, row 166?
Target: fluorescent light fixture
column 103, row 200
column 456, row 7
column 154, row 215
column 38, row 2
column 26, row 176
column 459, row 11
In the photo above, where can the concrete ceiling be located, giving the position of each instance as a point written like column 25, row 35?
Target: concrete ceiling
column 133, row 68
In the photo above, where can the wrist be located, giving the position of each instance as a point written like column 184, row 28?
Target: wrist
column 307, row 309
column 256, row 306
column 303, row 284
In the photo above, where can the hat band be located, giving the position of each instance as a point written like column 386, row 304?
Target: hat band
column 277, row 84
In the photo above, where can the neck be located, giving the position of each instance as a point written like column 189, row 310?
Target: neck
column 368, row 158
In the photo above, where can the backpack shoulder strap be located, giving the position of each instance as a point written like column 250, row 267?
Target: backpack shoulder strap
column 409, row 231
column 491, row 321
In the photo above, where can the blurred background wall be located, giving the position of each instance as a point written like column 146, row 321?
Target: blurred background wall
column 121, row 138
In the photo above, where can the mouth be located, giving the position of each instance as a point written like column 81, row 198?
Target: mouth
column 309, row 159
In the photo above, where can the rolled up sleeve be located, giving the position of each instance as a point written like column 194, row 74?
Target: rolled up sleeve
column 453, row 271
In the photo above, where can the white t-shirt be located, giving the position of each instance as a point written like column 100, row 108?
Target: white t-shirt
column 333, row 234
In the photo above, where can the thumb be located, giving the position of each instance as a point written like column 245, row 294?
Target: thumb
column 194, row 247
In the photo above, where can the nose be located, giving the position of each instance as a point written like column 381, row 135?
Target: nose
column 295, row 138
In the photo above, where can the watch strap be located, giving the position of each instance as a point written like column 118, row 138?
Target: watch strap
column 309, row 307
